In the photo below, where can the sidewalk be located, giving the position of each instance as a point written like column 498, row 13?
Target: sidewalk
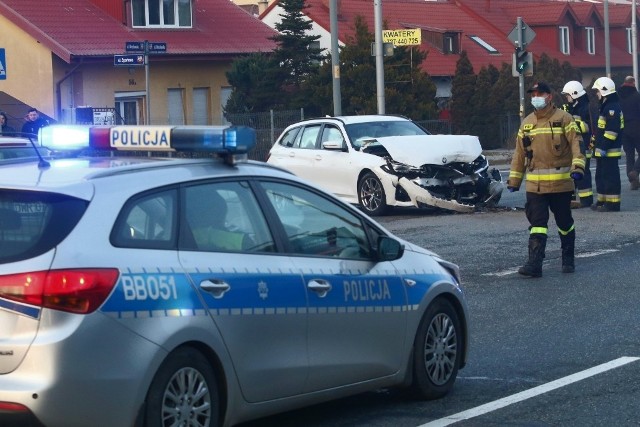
column 498, row 157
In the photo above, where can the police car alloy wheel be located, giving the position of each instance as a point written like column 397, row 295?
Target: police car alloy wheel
column 437, row 351
column 184, row 392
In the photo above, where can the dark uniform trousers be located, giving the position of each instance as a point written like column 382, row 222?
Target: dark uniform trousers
column 608, row 182
column 537, row 210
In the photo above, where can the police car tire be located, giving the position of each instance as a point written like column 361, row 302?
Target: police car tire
column 368, row 181
column 428, row 347
column 182, row 358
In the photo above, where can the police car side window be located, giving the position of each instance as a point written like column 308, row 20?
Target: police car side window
column 317, row 226
column 224, row 217
column 147, row 221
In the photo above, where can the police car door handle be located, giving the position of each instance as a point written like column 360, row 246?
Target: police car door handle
column 319, row 286
column 217, row 288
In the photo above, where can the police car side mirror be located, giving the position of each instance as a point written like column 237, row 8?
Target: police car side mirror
column 389, row 249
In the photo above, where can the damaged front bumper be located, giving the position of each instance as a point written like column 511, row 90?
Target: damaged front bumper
column 419, row 195
column 457, row 187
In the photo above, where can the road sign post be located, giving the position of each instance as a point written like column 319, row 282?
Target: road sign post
column 143, row 49
column 521, row 36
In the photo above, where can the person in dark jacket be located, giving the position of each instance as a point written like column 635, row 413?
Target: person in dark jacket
column 630, row 104
column 577, row 104
column 608, row 146
column 5, row 129
column 33, row 124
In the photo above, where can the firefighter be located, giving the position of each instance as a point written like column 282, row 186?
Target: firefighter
column 607, row 140
column 548, row 154
column 577, row 104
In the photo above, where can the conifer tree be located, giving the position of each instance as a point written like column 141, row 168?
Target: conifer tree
column 462, row 90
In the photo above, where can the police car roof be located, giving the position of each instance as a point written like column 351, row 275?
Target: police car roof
column 76, row 176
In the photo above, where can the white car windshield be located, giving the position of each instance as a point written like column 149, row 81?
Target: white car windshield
column 361, row 132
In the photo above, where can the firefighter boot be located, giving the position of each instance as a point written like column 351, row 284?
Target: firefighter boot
column 533, row 266
column 567, row 242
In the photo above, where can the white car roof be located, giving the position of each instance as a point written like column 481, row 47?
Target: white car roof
column 363, row 118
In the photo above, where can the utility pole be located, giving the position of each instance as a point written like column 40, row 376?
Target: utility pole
column 520, row 75
column 377, row 9
column 607, row 53
column 634, row 41
column 335, row 58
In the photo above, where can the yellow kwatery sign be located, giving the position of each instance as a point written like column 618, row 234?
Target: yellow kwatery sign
column 402, row 37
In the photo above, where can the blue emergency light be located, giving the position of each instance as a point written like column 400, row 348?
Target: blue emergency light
column 211, row 139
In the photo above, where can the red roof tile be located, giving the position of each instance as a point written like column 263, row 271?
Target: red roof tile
column 491, row 20
column 77, row 28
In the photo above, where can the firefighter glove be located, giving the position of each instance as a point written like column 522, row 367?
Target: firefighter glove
column 512, row 189
column 576, row 175
column 592, row 143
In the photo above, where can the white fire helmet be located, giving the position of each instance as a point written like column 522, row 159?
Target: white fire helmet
column 605, row 85
column 574, row 89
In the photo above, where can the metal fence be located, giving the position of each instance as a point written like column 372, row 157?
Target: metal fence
column 269, row 125
column 509, row 126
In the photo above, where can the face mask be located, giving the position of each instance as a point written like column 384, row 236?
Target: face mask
column 538, row 102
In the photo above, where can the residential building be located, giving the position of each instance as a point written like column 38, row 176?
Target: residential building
column 567, row 31
column 62, row 57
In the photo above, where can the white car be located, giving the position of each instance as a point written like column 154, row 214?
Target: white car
column 379, row 161
column 185, row 290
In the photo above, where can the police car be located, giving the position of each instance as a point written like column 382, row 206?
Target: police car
column 203, row 289
column 16, row 147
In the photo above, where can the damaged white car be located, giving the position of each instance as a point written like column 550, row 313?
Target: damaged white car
column 378, row 161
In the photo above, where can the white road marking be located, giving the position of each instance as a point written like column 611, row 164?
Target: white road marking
column 527, row 394
column 596, row 253
column 582, row 255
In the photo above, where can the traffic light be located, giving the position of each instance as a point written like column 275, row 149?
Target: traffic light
column 522, row 61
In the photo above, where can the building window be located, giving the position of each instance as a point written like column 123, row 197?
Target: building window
column 448, row 44
column 564, row 40
column 629, row 41
column 175, row 101
column 591, row 41
column 161, row 13
column 484, row 44
column 201, row 106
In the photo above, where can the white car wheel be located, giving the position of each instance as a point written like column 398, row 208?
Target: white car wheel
column 371, row 195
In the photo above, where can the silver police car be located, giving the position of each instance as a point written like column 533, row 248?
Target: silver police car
column 185, row 289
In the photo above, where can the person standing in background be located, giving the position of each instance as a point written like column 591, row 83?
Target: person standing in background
column 630, row 104
column 608, row 146
column 577, row 104
column 33, row 124
column 5, row 129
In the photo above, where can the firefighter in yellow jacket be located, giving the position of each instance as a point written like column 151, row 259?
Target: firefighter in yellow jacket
column 548, row 156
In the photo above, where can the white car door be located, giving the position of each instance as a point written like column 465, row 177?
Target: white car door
column 297, row 154
column 333, row 168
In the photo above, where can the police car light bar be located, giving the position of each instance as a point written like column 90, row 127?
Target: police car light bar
column 213, row 139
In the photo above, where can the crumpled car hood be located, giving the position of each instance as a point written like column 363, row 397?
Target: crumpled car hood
column 417, row 150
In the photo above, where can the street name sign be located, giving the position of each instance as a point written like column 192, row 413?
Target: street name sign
column 134, row 47
column 134, row 60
